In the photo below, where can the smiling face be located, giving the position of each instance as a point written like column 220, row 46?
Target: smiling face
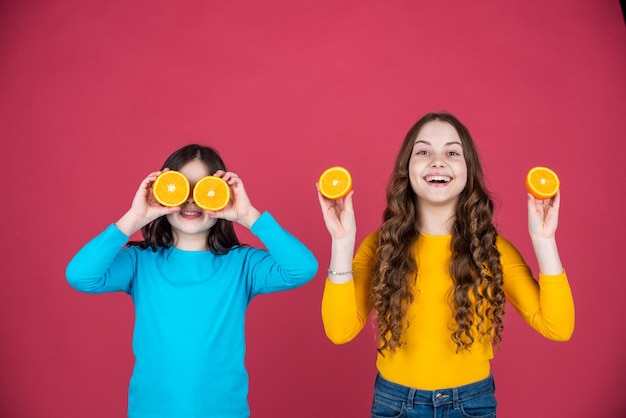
column 437, row 167
column 190, row 226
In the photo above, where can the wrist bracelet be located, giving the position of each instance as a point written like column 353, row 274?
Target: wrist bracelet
column 339, row 273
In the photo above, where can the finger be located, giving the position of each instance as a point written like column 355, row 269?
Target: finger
column 146, row 185
column 152, row 176
column 556, row 200
column 322, row 200
column 532, row 203
column 325, row 203
column 164, row 210
column 231, row 178
column 212, row 213
column 347, row 201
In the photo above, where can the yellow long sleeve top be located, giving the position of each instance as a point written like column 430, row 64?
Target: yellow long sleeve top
column 429, row 359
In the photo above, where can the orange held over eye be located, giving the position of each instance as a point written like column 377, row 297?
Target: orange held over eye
column 211, row 193
column 171, row 188
column 542, row 182
column 335, row 183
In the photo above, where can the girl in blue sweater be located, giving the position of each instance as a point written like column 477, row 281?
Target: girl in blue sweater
column 190, row 281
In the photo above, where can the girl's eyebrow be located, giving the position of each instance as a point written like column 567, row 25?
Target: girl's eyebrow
column 422, row 141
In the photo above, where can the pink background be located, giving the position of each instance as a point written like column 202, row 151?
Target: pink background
column 96, row 94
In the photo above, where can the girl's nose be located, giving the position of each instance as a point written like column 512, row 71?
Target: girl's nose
column 190, row 197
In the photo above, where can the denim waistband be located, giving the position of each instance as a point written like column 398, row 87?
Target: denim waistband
column 434, row 397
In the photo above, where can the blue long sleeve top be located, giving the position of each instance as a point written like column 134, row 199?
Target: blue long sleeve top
column 188, row 340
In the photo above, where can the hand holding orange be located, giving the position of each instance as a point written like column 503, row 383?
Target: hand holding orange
column 335, row 183
column 211, row 193
column 171, row 188
column 542, row 182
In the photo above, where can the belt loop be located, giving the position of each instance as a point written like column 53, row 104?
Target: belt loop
column 455, row 399
column 410, row 399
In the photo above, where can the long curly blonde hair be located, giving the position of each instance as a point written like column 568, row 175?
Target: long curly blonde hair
column 476, row 299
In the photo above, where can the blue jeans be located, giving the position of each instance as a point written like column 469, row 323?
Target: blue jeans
column 473, row 400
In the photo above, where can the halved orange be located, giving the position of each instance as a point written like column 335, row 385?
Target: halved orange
column 211, row 193
column 542, row 182
column 335, row 183
column 171, row 188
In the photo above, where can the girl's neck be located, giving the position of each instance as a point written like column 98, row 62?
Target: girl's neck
column 436, row 220
column 191, row 242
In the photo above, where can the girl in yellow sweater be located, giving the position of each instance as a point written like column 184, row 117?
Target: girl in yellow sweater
column 437, row 275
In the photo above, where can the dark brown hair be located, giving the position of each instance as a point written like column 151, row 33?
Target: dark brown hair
column 476, row 299
column 158, row 233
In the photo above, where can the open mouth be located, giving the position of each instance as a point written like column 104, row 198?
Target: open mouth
column 438, row 179
column 190, row 213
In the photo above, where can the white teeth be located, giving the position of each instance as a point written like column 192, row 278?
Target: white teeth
column 440, row 179
column 189, row 213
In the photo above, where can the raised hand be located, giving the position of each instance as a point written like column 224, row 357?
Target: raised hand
column 144, row 208
column 239, row 209
column 543, row 216
column 543, row 219
column 338, row 216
